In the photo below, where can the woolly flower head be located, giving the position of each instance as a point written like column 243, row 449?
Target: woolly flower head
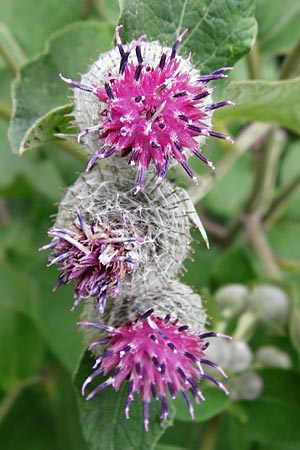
column 151, row 107
column 107, row 240
column 156, row 356
column 176, row 299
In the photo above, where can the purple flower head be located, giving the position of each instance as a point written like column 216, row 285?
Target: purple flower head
column 154, row 106
column 95, row 260
column 156, row 356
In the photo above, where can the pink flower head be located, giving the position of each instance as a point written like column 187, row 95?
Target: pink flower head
column 95, row 260
column 156, row 356
column 153, row 112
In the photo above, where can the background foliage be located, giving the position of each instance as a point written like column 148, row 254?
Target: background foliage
column 250, row 208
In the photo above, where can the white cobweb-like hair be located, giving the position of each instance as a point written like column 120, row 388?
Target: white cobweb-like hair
column 160, row 215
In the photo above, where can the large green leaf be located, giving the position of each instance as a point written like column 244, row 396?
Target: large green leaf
column 21, row 346
column 38, row 89
column 274, row 417
column 31, row 22
column 103, row 421
column 219, row 32
column 267, row 101
column 278, row 24
column 216, row 402
column 43, row 415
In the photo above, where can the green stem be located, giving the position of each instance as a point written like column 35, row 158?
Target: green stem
column 266, row 164
column 72, row 149
column 281, row 200
column 291, row 65
column 13, row 395
column 5, row 110
column 260, row 245
column 248, row 137
column 254, row 63
column 211, row 433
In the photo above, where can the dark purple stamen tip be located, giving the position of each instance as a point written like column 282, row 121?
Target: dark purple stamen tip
column 155, row 362
column 189, row 172
column 76, row 84
column 191, row 356
column 138, row 54
column 177, row 43
column 138, row 369
column 98, row 389
column 97, row 325
column 124, row 62
column 153, row 391
column 182, row 374
column 164, row 410
column 109, row 91
column 172, row 346
column 220, row 136
column 146, row 314
column 162, row 61
column 214, row 365
column 171, row 389
column 213, row 334
column 201, row 95
column 180, row 94
column 138, row 72
column 183, row 328
column 146, row 415
column 153, row 338
column 163, row 370
column 203, row 158
column 188, row 402
column 219, row 105
column 216, row 382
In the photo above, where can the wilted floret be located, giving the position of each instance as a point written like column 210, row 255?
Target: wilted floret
column 150, row 109
column 96, row 260
column 156, row 357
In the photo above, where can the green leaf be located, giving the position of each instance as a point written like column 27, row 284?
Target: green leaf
column 103, row 421
column 284, row 239
column 278, row 24
column 44, row 409
column 216, row 402
column 55, row 122
column 31, row 22
column 38, row 90
column 234, row 266
column 9, row 48
column 219, row 32
column 266, row 101
column 21, row 346
column 58, row 323
column 274, row 417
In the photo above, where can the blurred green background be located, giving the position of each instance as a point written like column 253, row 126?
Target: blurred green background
column 249, row 279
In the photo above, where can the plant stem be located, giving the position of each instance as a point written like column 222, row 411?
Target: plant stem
column 290, row 67
column 72, row 149
column 283, row 197
column 260, row 245
column 249, row 136
column 5, row 110
column 254, row 63
column 211, row 433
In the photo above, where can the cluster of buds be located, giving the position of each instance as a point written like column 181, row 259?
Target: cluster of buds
column 123, row 244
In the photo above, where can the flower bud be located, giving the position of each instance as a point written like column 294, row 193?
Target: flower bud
column 231, row 299
column 269, row 356
column 108, row 241
column 247, row 386
column 271, row 306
